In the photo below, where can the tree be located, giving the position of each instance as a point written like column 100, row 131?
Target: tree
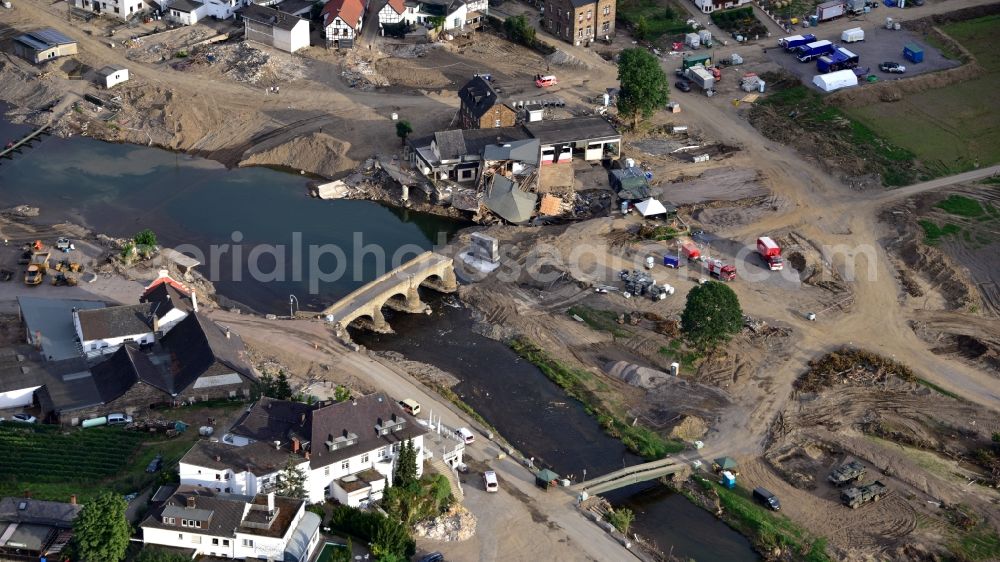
column 519, row 30
column 437, row 22
column 403, row 129
column 291, row 481
column 405, row 472
column 100, row 530
column 641, row 30
column 621, row 519
column 643, row 85
column 341, row 393
column 712, row 314
column 282, row 388
column 145, row 238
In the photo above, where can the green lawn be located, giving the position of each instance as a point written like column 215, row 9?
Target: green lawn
column 951, row 129
column 961, row 206
column 662, row 17
column 54, row 462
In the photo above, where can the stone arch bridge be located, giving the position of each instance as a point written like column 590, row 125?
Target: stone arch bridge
column 397, row 289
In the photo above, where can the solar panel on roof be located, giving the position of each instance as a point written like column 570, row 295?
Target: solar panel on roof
column 51, row 36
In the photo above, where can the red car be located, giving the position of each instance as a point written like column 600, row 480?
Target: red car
column 545, row 81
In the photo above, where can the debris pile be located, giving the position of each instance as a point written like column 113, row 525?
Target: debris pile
column 359, row 74
column 457, row 524
column 851, row 366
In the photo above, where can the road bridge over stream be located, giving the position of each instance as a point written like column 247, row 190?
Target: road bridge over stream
column 632, row 475
column 397, row 289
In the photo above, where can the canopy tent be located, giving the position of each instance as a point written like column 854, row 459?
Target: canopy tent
column 509, row 202
column 650, row 207
column 545, row 479
column 725, row 463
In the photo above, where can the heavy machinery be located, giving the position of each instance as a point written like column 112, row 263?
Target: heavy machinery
column 37, row 267
column 846, row 473
column 858, row 496
column 639, row 283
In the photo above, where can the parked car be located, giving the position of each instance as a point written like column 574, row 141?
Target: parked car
column 119, row 419
column 892, row 67
column 433, row 557
column 490, row 481
column 410, row 406
column 465, row 435
column 23, row 418
column 545, row 81
column 155, row 465
column 764, row 496
column 683, row 86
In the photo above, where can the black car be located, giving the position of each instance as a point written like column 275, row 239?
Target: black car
column 433, row 557
column 892, row 67
column 683, row 86
column 156, row 464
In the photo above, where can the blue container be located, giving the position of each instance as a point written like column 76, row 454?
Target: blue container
column 728, row 480
column 671, row 261
column 913, row 53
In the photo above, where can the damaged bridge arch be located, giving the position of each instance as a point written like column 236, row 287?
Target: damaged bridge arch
column 398, row 289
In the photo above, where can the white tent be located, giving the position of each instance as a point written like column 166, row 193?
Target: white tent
column 835, row 80
column 650, row 207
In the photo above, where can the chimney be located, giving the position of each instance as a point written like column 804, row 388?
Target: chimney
column 72, row 499
column 307, row 455
column 227, row 333
column 218, row 458
column 295, row 444
column 163, row 273
column 38, row 340
column 194, row 301
column 270, row 502
column 191, row 501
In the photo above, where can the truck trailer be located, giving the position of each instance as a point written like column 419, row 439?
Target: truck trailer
column 771, row 253
column 690, row 250
column 795, row 41
column 839, row 59
column 830, row 10
column 702, row 77
column 814, row 50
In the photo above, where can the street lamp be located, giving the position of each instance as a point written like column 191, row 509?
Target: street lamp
column 293, row 303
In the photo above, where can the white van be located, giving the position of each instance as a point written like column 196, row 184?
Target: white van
column 465, row 435
column 119, row 419
column 490, row 481
column 410, row 406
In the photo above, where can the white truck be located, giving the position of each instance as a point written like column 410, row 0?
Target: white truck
column 702, row 77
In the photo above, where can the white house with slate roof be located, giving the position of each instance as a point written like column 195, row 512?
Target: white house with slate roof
column 347, row 450
column 103, row 330
column 252, row 527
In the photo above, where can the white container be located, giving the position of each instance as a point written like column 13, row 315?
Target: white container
column 852, row 35
column 679, row 129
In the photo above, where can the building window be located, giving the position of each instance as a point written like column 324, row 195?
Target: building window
column 218, row 476
column 248, row 543
column 395, row 448
column 579, row 17
column 364, row 458
column 382, row 452
column 225, row 542
column 326, row 471
column 607, row 10
column 607, row 27
column 589, row 14
column 496, row 122
column 180, row 536
column 346, row 465
column 196, row 539
column 215, row 542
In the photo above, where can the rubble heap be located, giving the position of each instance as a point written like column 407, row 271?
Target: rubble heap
column 456, row 524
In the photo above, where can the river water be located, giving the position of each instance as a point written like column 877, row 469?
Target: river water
column 121, row 189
